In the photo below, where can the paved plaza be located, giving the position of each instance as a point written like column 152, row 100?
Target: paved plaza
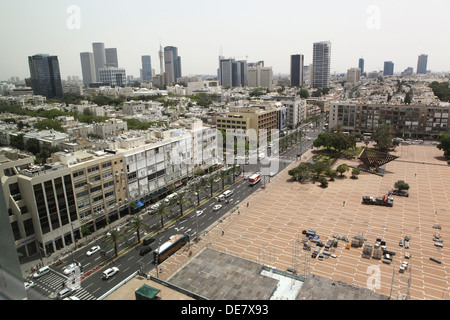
column 268, row 229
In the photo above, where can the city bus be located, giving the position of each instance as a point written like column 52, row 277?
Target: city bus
column 168, row 248
column 254, row 178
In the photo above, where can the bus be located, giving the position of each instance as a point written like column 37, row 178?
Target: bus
column 168, row 248
column 254, row 178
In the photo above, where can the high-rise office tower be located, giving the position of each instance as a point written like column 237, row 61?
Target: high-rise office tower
column 226, row 71
column 353, row 75
column 111, row 57
column 112, row 76
column 388, row 68
column 297, row 61
column 361, row 65
column 88, row 68
column 99, row 57
column 172, row 64
column 422, row 64
column 321, row 64
column 45, row 76
column 146, row 68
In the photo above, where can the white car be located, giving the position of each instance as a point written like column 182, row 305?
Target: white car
column 71, row 268
column 28, row 285
column 199, row 212
column 217, row 207
column 93, row 250
column 108, row 273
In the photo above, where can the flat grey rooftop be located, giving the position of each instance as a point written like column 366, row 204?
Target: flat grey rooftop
column 221, row 276
column 320, row 288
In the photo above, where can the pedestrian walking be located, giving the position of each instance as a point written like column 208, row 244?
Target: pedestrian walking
column 223, row 232
column 343, row 204
column 247, row 204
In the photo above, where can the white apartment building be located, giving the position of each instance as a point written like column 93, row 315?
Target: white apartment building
column 259, row 76
column 110, row 128
column 353, row 75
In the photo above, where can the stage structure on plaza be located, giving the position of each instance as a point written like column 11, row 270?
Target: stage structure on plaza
column 374, row 161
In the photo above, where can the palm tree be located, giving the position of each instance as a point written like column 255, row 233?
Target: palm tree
column 212, row 182
column 235, row 169
column 223, row 174
column 162, row 211
column 182, row 198
column 196, row 188
column 112, row 238
column 137, row 224
column 85, row 230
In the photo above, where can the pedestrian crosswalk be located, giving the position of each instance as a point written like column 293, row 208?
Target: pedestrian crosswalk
column 52, row 283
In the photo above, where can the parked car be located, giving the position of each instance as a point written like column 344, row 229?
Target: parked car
column 217, row 207
column 108, row 273
column 145, row 250
column 92, row 250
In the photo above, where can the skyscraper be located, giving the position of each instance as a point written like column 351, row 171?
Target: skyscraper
column 172, row 63
column 146, row 68
column 111, row 57
column 113, row 76
column 297, row 61
column 321, row 64
column 422, row 64
column 45, row 76
column 226, row 71
column 88, row 68
column 99, row 57
column 361, row 65
column 388, row 68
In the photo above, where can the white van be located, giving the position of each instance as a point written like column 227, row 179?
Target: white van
column 228, row 193
column 42, row 271
column 170, row 197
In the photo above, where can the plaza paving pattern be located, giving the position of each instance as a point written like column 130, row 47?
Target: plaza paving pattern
column 268, row 229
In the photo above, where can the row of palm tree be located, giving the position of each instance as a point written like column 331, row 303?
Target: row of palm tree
column 182, row 198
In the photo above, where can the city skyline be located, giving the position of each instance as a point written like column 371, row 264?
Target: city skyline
column 377, row 31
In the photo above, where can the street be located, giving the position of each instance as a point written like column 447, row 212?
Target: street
column 94, row 287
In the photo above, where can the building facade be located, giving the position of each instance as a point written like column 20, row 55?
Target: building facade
column 172, row 64
column 321, row 64
column 112, row 76
column 388, row 68
column 146, row 68
column 411, row 120
column 45, row 76
column 88, row 68
column 111, row 58
column 98, row 49
column 297, row 64
column 422, row 64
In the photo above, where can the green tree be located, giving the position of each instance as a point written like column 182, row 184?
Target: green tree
column 303, row 93
column 332, row 174
column 401, row 185
column 136, row 223
column 323, row 140
column 383, row 136
column 343, row 168
column 212, row 182
column 323, row 182
column 47, row 124
column 223, row 174
column 355, row 173
column 181, row 199
column 17, row 142
column 319, row 167
column 85, row 230
column 112, row 238
column 444, row 144
column 32, row 145
column 162, row 211
column 196, row 189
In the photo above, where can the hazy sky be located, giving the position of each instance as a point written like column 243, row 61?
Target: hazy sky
column 377, row 30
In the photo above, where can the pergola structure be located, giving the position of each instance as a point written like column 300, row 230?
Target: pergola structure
column 373, row 160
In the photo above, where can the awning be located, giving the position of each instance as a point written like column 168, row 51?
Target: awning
column 146, row 292
column 140, row 204
column 179, row 183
